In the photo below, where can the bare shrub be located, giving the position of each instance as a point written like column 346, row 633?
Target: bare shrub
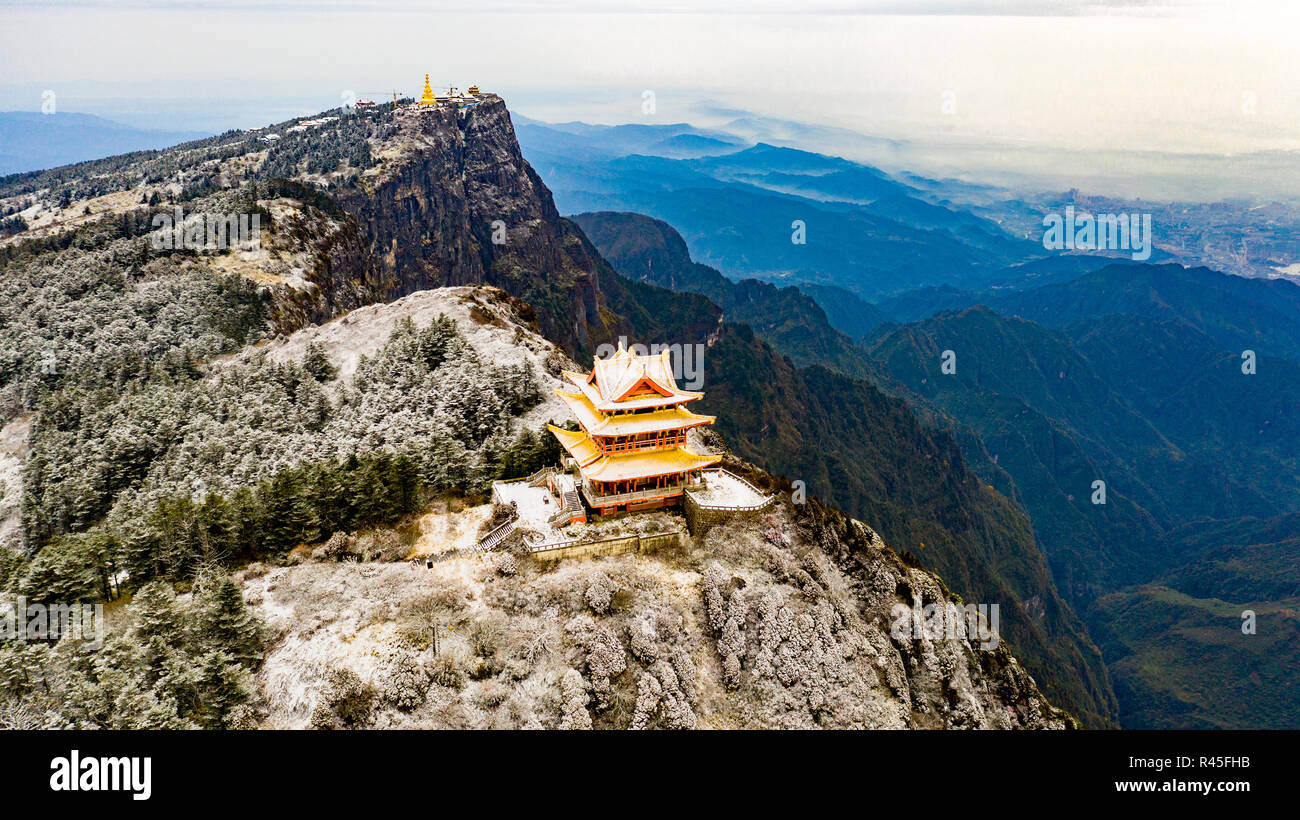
column 642, row 642
column 406, row 682
column 16, row 715
column 648, row 694
column 486, row 633
column 605, row 654
column 244, row 718
column 347, row 702
column 675, row 704
column 381, row 545
column 445, row 670
column 491, row 694
column 501, row 513
column 715, row 601
column 507, row 564
column 686, row 675
column 340, row 547
column 731, row 643
column 555, row 362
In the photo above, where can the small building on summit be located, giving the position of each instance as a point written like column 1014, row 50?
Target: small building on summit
column 631, row 452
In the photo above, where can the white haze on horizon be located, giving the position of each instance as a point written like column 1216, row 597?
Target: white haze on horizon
column 1161, row 100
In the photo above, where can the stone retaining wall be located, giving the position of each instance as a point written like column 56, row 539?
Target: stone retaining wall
column 700, row 518
column 617, row 545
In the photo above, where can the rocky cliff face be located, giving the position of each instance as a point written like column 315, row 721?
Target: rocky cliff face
column 315, row 264
column 452, row 202
column 370, row 209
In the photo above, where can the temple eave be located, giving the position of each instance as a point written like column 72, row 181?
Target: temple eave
column 645, row 465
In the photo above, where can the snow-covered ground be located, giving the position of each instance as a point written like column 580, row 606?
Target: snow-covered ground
column 320, row 615
column 722, row 489
column 535, row 505
column 364, row 331
column 14, row 445
column 446, row 527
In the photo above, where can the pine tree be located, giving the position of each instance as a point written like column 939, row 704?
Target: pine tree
column 69, row 568
column 225, row 623
column 317, row 364
column 154, row 613
column 289, row 519
column 405, row 483
column 329, row 498
column 221, row 682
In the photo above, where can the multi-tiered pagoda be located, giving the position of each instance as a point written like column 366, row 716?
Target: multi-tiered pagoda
column 632, row 451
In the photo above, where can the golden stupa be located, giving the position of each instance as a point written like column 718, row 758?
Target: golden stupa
column 427, row 97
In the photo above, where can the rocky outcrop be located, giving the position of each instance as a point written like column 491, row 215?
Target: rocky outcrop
column 404, row 200
column 782, row 621
column 950, row 681
column 453, row 202
column 315, row 265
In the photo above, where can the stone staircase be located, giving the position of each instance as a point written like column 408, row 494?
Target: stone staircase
column 539, row 478
column 494, row 538
column 572, row 507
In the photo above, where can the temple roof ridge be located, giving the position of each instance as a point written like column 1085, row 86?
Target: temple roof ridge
column 618, row 375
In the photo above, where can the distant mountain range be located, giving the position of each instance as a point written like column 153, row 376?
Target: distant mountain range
column 872, row 233
column 851, row 443
column 1133, row 374
column 649, row 250
column 793, row 217
column 31, row 141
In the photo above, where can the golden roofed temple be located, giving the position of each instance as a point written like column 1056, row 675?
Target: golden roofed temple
column 632, row 451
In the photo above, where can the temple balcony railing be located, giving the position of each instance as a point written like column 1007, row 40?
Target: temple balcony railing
column 596, row 500
column 640, row 446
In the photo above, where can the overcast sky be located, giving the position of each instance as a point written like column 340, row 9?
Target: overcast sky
column 964, row 84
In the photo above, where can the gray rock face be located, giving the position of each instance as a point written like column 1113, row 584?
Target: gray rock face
column 804, row 606
column 455, row 203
